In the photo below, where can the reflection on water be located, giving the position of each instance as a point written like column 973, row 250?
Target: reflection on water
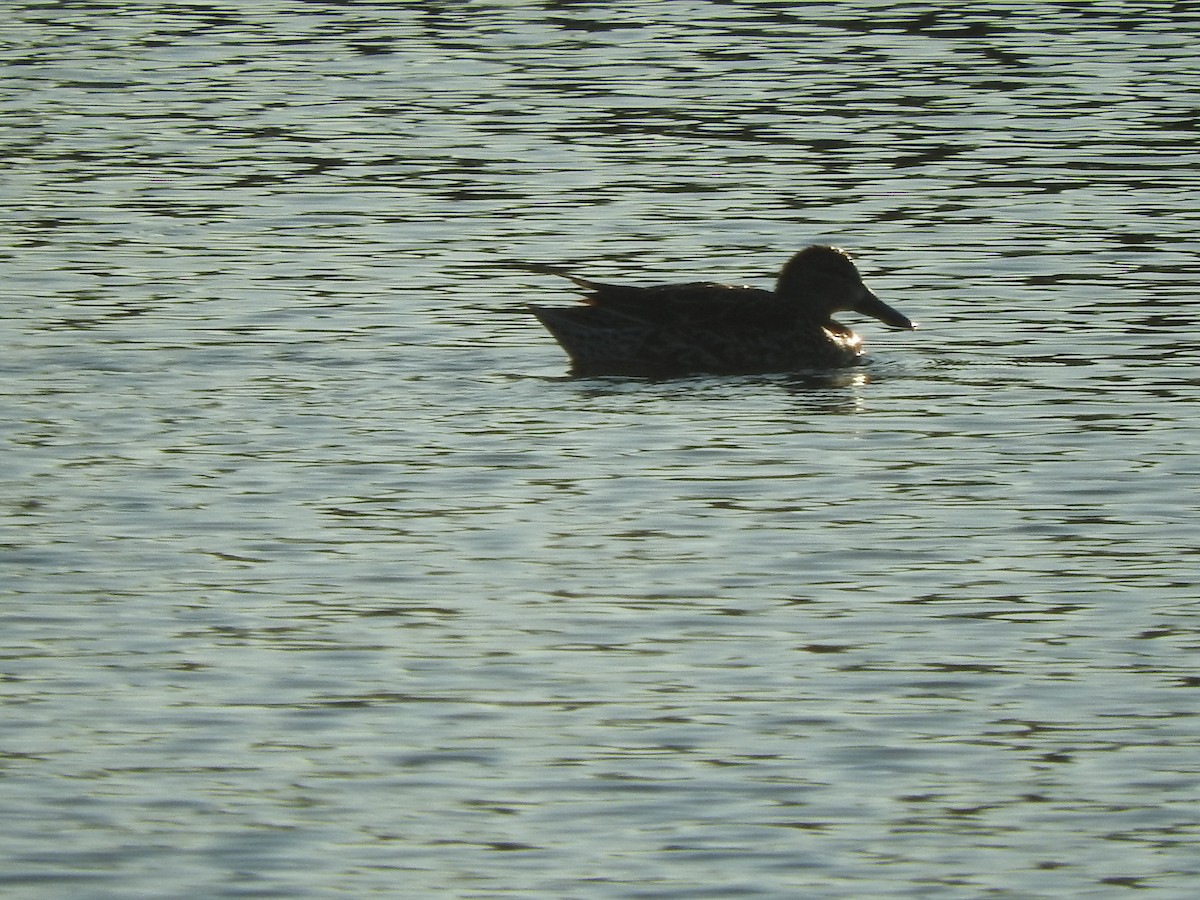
column 323, row 577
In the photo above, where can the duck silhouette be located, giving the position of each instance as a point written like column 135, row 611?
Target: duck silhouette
column 705, row 327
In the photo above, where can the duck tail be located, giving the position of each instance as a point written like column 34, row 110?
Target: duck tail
column 550, row 269
column 593, row 336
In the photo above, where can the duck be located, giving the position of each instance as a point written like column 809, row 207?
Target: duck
column 706, row 327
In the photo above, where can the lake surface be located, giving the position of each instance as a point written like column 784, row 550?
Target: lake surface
column 321, row 578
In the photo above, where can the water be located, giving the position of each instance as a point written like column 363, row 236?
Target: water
column 322, row 578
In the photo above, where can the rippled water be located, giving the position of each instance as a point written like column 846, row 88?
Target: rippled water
column 322, row 579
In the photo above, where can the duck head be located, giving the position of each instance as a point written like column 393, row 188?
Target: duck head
column 825, row 280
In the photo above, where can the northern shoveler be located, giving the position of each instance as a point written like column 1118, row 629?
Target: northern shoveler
column 673, row 329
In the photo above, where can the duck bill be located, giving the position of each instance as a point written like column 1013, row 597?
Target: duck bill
column 870, row 305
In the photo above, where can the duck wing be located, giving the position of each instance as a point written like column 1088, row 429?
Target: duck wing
column 702, row 304
column 698, row 304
